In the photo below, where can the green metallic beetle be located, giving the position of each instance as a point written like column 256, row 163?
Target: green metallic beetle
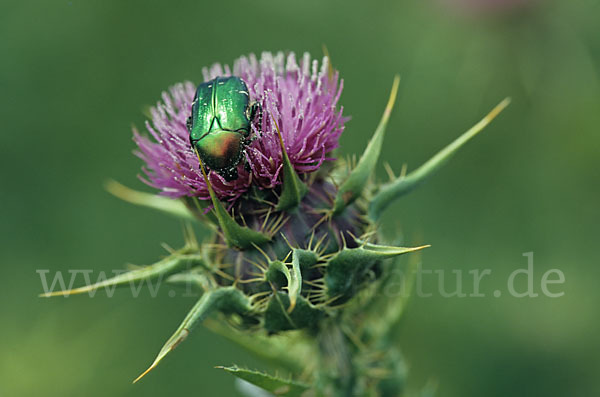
column 219, row 126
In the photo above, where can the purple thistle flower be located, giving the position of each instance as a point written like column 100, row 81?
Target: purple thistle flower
column 300, row 96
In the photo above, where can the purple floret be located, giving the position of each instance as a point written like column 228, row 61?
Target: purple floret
column 302, row 97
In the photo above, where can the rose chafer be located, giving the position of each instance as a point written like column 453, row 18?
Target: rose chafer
column 220, row 124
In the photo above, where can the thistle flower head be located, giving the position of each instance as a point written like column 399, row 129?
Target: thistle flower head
column 301, row 96
column 293, row 249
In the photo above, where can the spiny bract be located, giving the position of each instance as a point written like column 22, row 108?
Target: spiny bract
column 295, row 244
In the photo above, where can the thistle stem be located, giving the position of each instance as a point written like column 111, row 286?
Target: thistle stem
column 337, row 359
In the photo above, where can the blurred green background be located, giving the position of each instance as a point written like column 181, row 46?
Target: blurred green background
column 75, row 75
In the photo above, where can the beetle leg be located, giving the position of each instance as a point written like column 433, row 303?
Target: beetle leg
column 247, row 165
column 230, row 174
column 249, row 140
column 255, row 110
column 252, row 110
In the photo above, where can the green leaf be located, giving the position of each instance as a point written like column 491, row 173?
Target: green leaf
column 276, row 385
column 163, row 204
column 295, row 281
column 354, row 185
column 226, row 300
column 293, row 277
column 293, row 189
column 404, row 184
column 279, row 318
column 236, row 235
column 346, row 269
column 164, row 268
column 278, row 350
column 193, row 278
column 306, row 258
column 275, row 271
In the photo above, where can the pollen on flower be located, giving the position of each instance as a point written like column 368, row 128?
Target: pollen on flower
column 301, row 96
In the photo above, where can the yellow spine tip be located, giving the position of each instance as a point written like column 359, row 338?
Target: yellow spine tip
column 393, row 94
column 150, row 368
column 499, row 108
